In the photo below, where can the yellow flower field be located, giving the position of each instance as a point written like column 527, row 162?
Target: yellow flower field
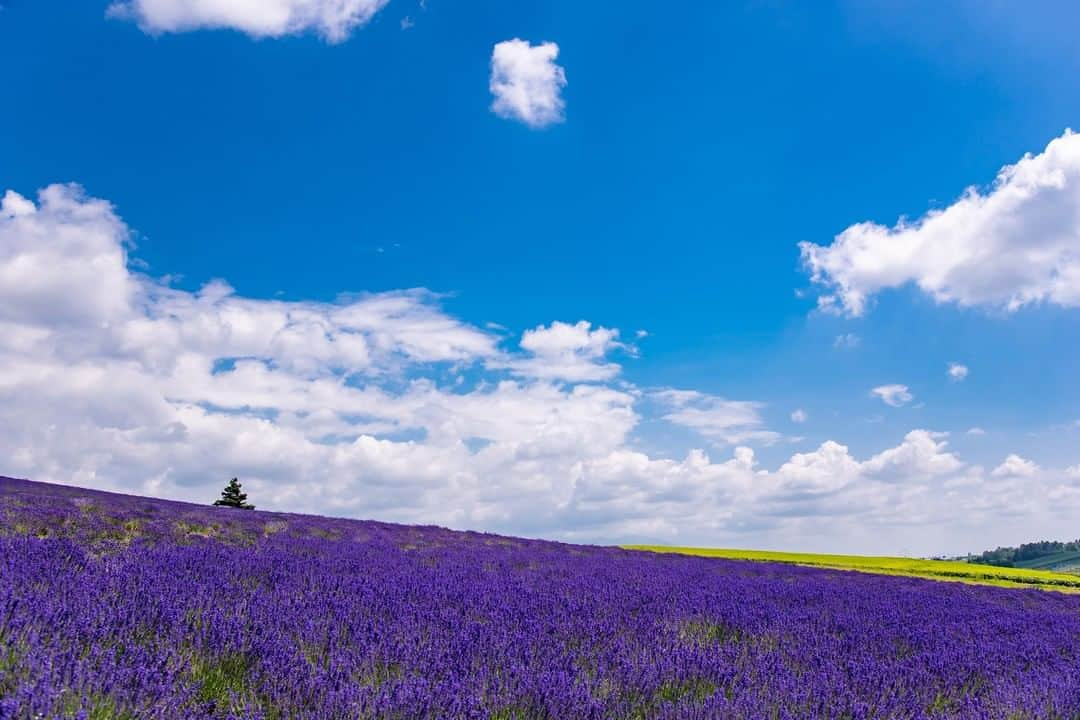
column 913, row 567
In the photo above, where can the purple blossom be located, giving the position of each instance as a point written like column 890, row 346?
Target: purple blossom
column 114, row 606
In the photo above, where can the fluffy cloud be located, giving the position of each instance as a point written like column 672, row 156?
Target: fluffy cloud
column 893, row 395
column 1014, row 244
column 569, row 352
column 334, row 20
column 725, row 422
column 921, row 455
column 957, row 372
column 1015, row 466
column 72, row 243
column 813, row 492
column 110, row 378
column 526, row 82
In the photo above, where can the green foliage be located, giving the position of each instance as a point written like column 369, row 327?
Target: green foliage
column 378, row 674
column 185, row 527
column 98, row 707
column 517, row 713
column 232, row 496
column 1066, row 562
column 1027, row 554
column 697, row 690
column 273, row 527
column 326, row 534
column 693, row 691
column 12, row 665
column 710, row 633
column 220, row 679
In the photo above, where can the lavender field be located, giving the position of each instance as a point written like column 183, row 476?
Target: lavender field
column 121, row 607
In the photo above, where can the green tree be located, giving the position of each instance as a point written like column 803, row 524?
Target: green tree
column 233, row 497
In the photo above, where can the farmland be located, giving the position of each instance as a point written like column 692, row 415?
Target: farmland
column 1062, row 562
column 1030, row 576
column 115, row 606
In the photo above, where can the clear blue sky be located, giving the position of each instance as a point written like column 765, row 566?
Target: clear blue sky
column 699, row 146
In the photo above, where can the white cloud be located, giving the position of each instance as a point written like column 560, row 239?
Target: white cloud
column 73, row 242
column 334, row 20
column 815, row 492
column 568, row 352
column 526, row 82
column 1014, row 244
column 1073, row 472
column 922, row 454
column 893, row 395
column 975, row 431
column 358, row 408
column 1015, row 466
column 799, row 416
column 957, row 372
column 726, row 422
column 827, row 470
column 561, row 338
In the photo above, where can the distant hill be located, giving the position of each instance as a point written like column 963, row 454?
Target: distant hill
column 1043, row 555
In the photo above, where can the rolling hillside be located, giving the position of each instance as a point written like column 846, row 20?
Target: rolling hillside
column 114, row 607
column 1062, row 562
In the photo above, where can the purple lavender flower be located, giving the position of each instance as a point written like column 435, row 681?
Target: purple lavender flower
column 114, row 606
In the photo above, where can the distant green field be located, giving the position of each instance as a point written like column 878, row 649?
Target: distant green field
column 912, row 567
column 1066, row 561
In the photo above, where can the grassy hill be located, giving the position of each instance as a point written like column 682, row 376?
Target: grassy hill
column 117, row 607
column 1052, row 555
column 1062, row 562
column 1030, row 576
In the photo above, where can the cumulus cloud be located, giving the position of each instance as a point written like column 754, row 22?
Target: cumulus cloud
column 569, row 352
column 1015, row 466
column 808, row 493
column 922, row 454
column 1013, row 244
column 526, row 82
column 334, row 20
column 957, row 372
column 113, row 379
column 725, row 422
column 893, row 395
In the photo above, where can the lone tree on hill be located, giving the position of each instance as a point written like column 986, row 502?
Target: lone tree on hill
column 231, row 496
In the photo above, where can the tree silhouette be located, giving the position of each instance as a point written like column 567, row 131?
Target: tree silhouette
column 231, row 496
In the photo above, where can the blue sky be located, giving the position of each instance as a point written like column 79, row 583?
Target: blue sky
column 692, row 152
